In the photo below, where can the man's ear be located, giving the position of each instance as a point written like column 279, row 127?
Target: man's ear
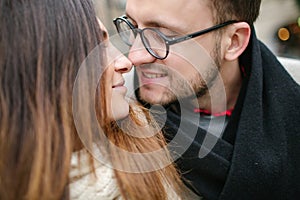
column 237, row 40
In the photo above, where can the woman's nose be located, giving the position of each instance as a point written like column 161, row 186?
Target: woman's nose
column 122, row 64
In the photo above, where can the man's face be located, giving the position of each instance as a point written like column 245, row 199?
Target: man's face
column 189, row 63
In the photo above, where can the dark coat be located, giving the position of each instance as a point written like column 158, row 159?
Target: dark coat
column 258, row 156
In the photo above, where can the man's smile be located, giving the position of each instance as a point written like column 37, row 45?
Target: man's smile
column 150, row 75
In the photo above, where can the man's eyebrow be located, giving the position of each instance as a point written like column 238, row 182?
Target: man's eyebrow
column 150, row 23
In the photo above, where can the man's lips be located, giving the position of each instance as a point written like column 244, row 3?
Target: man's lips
column 152, row 78
column 152, row 75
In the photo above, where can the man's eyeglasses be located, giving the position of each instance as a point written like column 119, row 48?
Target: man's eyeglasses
column 155, row 42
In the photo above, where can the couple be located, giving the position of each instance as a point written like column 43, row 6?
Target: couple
column 233, row 108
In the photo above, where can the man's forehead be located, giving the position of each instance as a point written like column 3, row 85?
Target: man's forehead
column 164, row 7
column 165, row 13
column 160, row 11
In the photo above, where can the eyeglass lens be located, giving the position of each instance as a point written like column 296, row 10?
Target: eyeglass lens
column 126, row 33
column 151, row 39
column 154, row 42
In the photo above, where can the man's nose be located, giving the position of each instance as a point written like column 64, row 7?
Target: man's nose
column 138, row 54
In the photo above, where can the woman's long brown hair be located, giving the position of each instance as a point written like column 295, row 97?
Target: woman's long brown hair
column 148, row 175
column 42, row 44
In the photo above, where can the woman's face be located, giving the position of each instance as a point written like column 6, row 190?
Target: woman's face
column 115, row 91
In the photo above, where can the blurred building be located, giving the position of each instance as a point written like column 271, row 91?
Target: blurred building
column 278, row 26
column 107, row 10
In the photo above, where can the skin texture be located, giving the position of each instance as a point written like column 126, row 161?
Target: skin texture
column 118, row 64
column 208, row 64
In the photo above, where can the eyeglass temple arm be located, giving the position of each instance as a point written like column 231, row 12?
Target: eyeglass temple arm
column 196, row 34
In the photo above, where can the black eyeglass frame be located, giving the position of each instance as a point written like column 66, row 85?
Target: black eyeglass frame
column 168, row 41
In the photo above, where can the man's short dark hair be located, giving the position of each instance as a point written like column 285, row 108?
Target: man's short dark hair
column 244, row 10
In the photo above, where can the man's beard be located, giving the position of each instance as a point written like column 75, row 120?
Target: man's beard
column 196, row 87
column 199, row 85
column 212, row 74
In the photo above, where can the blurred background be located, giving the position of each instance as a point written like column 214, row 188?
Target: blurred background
column 278, row 25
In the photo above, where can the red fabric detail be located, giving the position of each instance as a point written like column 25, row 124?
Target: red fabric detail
column 207, row 112
column 224, row 113
column 243, row 71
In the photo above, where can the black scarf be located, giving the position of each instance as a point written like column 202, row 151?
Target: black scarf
column 266, row 158
column 258, row 156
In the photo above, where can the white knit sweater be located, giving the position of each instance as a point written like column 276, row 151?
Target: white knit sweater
column 84, row 185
